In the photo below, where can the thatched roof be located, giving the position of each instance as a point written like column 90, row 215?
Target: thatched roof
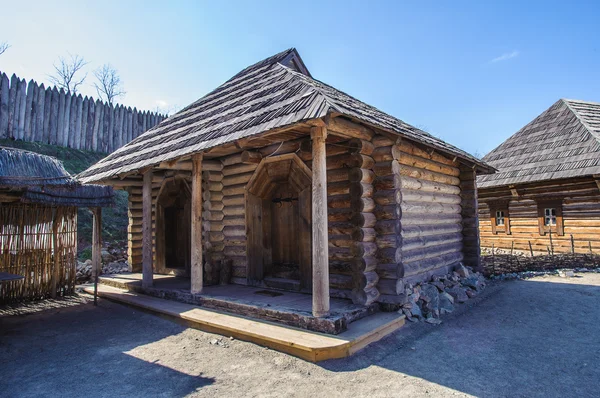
column 36, row 178
column 562, row 142
column 270, row 94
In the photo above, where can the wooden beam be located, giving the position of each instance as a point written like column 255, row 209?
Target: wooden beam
column 320, row 238
column 96, row 248
column 147, row 271
column 197, row 281
column 347, row 128
column 251, row 157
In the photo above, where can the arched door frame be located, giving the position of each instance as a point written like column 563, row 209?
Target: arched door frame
column 291, row 169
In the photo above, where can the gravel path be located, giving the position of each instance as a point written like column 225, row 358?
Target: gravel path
column 521, row 338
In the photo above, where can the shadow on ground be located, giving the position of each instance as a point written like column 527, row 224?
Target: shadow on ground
column 528, row 338
column 74, row 350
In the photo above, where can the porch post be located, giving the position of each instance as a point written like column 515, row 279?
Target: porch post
column 147, row 230
column 96, row 248
column 196, row 236
column 320, row 239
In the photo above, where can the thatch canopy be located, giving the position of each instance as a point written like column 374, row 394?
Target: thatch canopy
column 33, row 178
column 271, row 94
column 562, row 142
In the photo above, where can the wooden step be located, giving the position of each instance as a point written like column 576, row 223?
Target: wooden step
column 311, row 346
column 282, row 284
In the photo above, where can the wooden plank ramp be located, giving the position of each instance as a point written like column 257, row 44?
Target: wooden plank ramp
column 310, row 346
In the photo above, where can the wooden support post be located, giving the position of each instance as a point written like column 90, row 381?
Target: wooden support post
column 96, row 248
column 147, row 230
column 320, row 239
column 197, row 280
column 572, row 244
column 55, row 253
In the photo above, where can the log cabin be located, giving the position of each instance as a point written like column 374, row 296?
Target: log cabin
column 289, row 183
column 545, row 196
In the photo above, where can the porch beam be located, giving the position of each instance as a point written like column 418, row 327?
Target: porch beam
column 147, row 271
column 196, row 268
column 320, row 246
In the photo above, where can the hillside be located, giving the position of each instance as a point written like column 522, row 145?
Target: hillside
column 114, row 220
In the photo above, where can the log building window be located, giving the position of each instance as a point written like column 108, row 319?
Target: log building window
column 500, row 217
column 550, row 218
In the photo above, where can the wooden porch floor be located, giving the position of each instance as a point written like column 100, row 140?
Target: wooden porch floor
column 290, row 308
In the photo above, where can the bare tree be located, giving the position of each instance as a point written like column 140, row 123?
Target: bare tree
column 3, row 47
column 109, row 85
column 67, row 72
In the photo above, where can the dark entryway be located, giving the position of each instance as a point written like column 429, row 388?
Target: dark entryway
column 173, row 234
column 278, row 215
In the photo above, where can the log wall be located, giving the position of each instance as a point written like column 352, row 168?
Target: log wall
column 35, row 113
column 580, row 211
column 431, row 213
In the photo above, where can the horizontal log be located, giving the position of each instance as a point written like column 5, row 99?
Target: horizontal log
column 426, row 241
column 430, row 219
column 391, row 286
column 410, row 195
column 411, row 149
column 347, row 128
column 442, row 260
column 361, row 175
column 364, row 220
column 363, row 147
column 251, row 157
column 422, row 174
column 409, row 231
column 389, row 271
column 429, row 208
column 421, row 163
column 365, row 296
column 418, row 254
column 382, row 140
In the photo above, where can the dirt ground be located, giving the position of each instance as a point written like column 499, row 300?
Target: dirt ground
column 538, row 337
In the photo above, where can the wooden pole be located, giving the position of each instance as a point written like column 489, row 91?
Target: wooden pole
column 55, row 253
column 320, row 239
column 530, row 248
column 147, row 230
column 96, row 248
column 572, row 244
column 551, row 244
column 197, row 281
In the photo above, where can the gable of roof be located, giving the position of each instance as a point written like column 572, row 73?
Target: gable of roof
column 270, row 94
column 562, row 142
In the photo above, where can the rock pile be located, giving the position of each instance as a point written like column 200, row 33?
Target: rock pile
column 427, row 301
column 114, row 261
column 84, row 270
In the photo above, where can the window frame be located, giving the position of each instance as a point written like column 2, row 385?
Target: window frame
column 556, row 204
column 495, row 207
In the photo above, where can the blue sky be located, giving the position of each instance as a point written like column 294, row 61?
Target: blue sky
column 471, row 73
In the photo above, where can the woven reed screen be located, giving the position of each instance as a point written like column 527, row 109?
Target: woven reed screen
column 30, row 238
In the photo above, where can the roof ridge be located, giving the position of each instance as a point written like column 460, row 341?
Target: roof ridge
column 584, row 122
column 303, row 79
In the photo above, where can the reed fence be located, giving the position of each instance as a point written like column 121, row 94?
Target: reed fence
column 40, row 244
column 35, row 113
column 497, row 261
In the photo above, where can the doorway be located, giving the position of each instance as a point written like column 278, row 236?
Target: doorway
column 278, row 219
column 173, row 228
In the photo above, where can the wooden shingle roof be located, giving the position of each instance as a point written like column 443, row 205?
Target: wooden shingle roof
column 270, row 94
column 562, row 142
